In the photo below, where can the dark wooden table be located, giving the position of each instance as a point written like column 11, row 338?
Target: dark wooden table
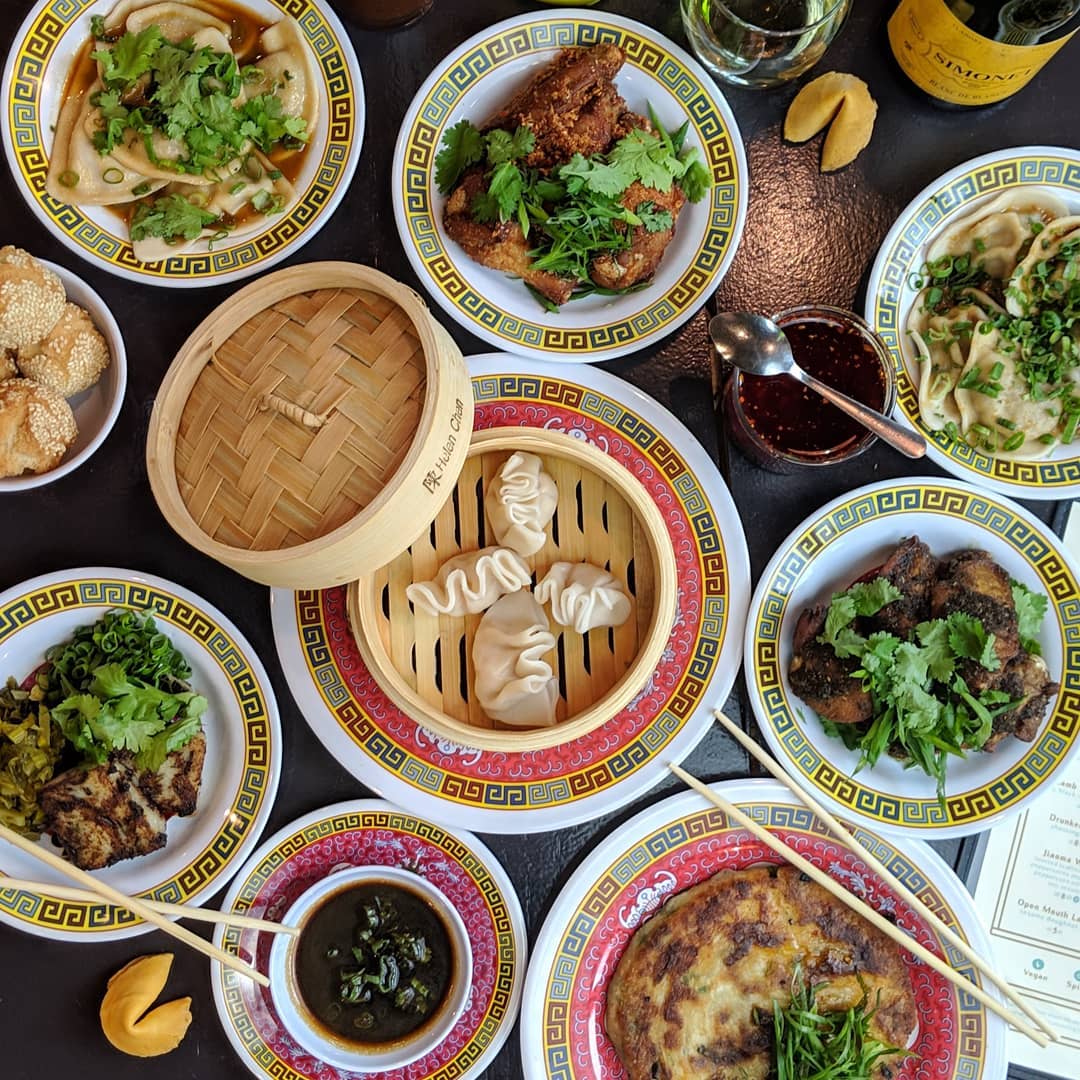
column 808, row 237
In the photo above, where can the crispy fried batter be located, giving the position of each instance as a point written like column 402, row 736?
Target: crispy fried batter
column 682, row 1002
column 501, row 246
column 640, row 260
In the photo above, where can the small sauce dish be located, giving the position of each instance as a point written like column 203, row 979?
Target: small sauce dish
column 781, row 424
column 379, row 974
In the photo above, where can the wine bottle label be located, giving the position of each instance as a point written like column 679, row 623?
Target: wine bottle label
column 947, row 59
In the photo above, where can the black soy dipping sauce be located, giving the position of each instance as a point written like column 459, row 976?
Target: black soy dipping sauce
column 792, row 417
column 332, row 925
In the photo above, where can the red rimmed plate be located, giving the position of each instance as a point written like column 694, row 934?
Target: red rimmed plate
column 683, row 841
column 369, row 832
column 497, row 792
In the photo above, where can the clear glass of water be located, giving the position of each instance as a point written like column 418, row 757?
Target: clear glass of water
column 761, row 42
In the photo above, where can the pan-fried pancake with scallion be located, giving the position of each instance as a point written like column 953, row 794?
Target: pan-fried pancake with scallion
column 692, row 996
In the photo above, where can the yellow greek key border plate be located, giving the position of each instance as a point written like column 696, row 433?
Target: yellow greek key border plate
column 36, row 70
column 362, row 833
column 501, row 311
column 192, row 873
column 852, row 534
column 889, row 297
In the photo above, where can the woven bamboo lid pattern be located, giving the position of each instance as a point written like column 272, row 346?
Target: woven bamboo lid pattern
column 296, row 411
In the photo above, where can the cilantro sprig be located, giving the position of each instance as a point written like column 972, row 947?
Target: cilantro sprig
column 574, row 210
column 923, row 709
column 191, row 95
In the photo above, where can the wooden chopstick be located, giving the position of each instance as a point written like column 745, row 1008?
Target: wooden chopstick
column 845, row 837
column 184, row 911
column 858, row 906
column 133, row 904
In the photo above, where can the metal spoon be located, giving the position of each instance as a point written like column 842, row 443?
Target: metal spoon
column 757, row 345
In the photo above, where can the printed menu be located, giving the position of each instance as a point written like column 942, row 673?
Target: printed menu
column 1028, row 894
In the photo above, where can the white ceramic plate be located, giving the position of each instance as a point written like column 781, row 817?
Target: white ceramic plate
column 839, row 543
column 473, row 82
column 889, row 296
column 592, row 775
column 243, row 755
column 33, row 83
column 95, row 409
column 373, row 833
column 683, row 841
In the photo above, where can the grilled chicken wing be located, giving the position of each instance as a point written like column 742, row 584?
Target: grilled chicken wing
column 912, row 569
column 821, row 678
column 116, row 811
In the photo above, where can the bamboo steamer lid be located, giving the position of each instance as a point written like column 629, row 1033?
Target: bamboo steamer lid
column 311, row 427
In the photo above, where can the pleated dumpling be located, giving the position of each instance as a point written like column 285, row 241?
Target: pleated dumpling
column 521, row 501
column 288, row 70
column 942, row 343
column 583, row 596
column 1021, row 298
column 996, row 233
column 471, row 582
column 514, row 684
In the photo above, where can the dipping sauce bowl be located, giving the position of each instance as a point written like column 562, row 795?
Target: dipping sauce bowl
column 782, row 425
column 331, row 910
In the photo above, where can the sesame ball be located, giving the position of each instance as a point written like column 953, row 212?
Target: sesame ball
column 32, row 299
column 71, row 357
column 37, row 427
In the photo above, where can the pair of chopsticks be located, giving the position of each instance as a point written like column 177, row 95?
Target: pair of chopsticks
column 151, row 911
column 859, row 906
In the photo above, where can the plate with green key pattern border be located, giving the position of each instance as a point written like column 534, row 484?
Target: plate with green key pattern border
column 243, row 747
column 479, row 77
column 890, row 294
column 851, row 536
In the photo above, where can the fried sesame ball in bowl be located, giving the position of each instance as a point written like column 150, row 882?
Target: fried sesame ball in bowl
column 79, row 356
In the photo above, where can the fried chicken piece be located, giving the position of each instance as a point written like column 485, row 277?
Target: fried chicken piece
column 498, row 245
column 620, row 270
column 572, row 107
column 912, row 569
column 821, row 678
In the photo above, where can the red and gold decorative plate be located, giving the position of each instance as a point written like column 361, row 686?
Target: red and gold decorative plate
column 369, row 832
column 683, row 841
column 548, row 789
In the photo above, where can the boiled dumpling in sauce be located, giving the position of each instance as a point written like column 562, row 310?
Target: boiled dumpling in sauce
column 230, row 196
column 176, row 20
column 288, row 71
column 998, row 232
column 133, row 154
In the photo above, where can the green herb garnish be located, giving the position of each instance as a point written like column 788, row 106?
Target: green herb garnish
column 170, row 217
column 811, row 1045
column 922, row 708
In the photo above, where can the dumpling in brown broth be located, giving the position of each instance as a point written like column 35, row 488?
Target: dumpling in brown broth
column 177, row 21
column 288, row 70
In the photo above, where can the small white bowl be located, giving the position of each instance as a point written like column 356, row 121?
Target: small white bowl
column 380, row 1057
column 95, row 409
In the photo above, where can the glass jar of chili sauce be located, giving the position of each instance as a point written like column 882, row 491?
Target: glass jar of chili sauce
column 782, row 425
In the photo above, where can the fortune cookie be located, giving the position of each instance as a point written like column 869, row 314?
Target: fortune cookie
column 131, row 991
column 841, row 102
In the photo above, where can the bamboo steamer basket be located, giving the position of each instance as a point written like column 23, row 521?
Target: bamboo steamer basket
column 310, row 428
column 604, row 516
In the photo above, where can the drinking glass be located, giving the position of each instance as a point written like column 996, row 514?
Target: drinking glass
column 761, row 42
